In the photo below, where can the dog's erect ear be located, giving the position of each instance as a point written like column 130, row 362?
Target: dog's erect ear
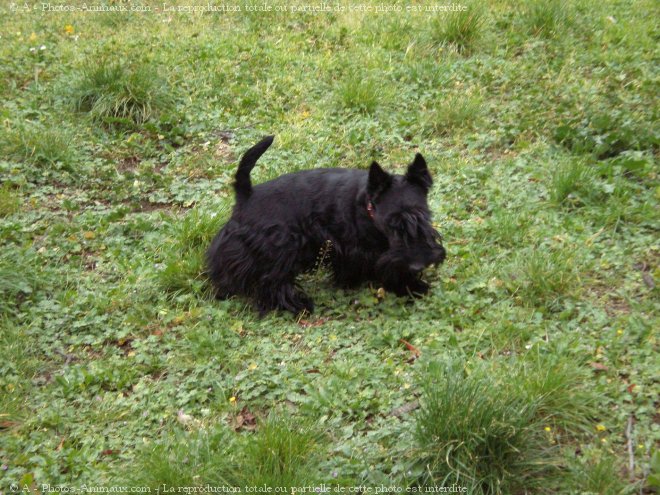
column 418, row 173
column 378, row 181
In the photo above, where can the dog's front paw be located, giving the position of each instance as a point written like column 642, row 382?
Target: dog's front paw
column 411, row 287
column 418, row 288
column 306, row 304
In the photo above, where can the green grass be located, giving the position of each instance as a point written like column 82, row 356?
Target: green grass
column 461, row 30
column 599, row 473
column 546, row 19
column 453, row 113
column 360, row 93
column 38, row 145
column 119, row 140
column 496, row 435
column 19, row 278
column 117, row 92
column 278, row 454
column 183, row 264
column 542, row 277
column 10, row 200
column 572, row 184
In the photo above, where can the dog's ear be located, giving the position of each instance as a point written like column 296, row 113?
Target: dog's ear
column 378, row 181
column 418, row 173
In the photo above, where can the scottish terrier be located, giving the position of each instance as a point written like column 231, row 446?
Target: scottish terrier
column 375, row 226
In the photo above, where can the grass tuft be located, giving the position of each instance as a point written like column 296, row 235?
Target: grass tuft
column 359, row 93
column 597, row 472
column 541, row 278
column 114, row 92
column 492, row 435
column 460, row 29
column 281, row 453
column 10, row 200
column 186, row 459
column 38, row 145
column 572, row 184
column 545, row 18
column 18, row 366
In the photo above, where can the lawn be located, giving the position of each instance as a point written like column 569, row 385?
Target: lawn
column 531, row 366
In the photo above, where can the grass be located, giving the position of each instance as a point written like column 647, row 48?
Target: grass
column 38, row 145
column 599, row 474
column 359, row 93
column 518, row 372
column 19, row 278
column 190, row 235
column 546, row 19
column 117, row 92
column 572, row 184
column 10, row 200
column 454, row 113
column 495, row 436
column 461, row 29
column 541, row 277
column 278, row 454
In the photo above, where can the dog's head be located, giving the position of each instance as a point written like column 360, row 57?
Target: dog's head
column 399, row 209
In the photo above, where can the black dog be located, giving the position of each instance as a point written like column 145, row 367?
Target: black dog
column 377, row 227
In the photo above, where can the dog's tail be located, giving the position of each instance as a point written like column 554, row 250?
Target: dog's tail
column 242, row 183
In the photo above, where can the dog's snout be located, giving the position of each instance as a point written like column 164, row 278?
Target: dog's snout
column 439, row 254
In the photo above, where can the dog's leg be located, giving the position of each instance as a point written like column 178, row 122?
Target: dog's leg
column 286, row 297
column 406, row 285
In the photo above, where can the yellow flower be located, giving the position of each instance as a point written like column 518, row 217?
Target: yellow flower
column 600, row 428
column 548, row 429
column 232, row 399
column 619, row 332
column 252, row 366
column 68, row 29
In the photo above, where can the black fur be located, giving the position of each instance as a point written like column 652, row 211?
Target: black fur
column 378, row 227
